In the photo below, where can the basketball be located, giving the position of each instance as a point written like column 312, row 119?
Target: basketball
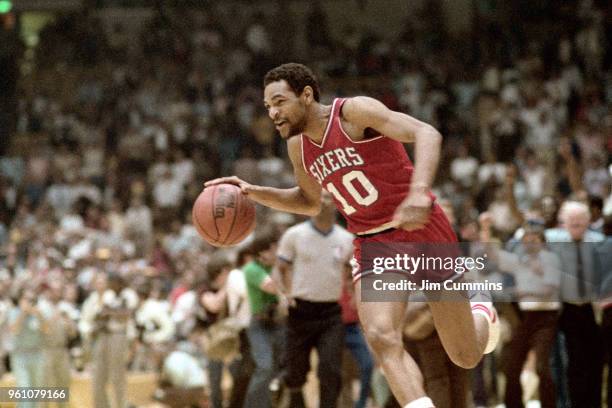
column 223, row 216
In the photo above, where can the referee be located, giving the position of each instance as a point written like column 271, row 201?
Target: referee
column 311, row 259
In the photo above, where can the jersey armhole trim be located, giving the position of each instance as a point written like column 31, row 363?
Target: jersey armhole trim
column 328, row 127
column 346, row 134
column 302, row 150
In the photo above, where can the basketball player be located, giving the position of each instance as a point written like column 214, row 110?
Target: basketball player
column 354, row 150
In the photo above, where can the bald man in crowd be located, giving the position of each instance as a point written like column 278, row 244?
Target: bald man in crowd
column 577, row 246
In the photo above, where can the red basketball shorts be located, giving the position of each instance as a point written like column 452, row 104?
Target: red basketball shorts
column 436, row 239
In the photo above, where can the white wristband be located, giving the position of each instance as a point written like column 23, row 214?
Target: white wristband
column 423, row 402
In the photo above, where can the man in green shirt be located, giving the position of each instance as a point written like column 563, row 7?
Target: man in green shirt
column 257, row 276
column 265, row 333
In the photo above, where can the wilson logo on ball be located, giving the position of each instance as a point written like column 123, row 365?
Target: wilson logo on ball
column 223, row 216
column 224, row 200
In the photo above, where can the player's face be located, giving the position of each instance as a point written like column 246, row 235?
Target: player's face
column 285, row 108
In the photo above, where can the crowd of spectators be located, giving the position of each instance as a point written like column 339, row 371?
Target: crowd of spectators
column 115, row 135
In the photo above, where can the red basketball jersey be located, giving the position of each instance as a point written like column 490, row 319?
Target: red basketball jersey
column 368, row 179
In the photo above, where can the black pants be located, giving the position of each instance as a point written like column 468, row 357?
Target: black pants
column 606, row 326
column 536, row 331
column 315, row 325
column 584, row 344
column 241, row 369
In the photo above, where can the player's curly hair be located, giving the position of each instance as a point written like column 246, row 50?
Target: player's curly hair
column 298, row 76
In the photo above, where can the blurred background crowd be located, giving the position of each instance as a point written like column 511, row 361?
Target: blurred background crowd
column 107, row 133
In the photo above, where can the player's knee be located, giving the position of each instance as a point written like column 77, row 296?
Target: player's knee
column 383, row 339
column 466, row 358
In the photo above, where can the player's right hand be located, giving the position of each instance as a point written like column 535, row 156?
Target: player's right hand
column 413, row 213
column 245, row 187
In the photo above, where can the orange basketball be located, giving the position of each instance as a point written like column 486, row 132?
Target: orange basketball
column 223, row 215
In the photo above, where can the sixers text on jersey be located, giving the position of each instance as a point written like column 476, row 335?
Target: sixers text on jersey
column 334, row 160
column 368, row 178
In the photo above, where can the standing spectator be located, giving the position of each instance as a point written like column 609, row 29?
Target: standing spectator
column 57, row 339
column 265, row 333
column 606, row 300
column 183, row 168
column 155, row 328
column 541, row 134
column 537, row 275
column 105, row 318
column 241, row 368
column 5, row 309
column 167, row 194
column 535, row 177
column 505, row 130
column 576, row 246
column 596, row 178
column 187, row 312
column 597, row 219
column 464, row 168
column 214, row 300
column 139, row 224
column 28, row 327
column 491, row 171
column 506, row 215
column 311, row 258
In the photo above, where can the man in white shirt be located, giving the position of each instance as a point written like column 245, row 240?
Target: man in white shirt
column 537, row 274
column 311, row 259
column 464, row 167
column 168, row 191
column 577, row 247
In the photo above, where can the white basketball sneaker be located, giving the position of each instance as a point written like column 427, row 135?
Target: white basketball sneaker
column 487, row 310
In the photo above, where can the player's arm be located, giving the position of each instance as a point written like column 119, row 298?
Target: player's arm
column 363, row 112
column 305, row 198
column 370, row 113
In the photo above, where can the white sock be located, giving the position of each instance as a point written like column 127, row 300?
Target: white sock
column 423, row 402
column 487, row 310
column 484, row 309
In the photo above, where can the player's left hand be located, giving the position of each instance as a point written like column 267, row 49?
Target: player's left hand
column 413, row 213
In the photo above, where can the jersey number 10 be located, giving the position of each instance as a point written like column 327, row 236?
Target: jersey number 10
column 347, row 182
